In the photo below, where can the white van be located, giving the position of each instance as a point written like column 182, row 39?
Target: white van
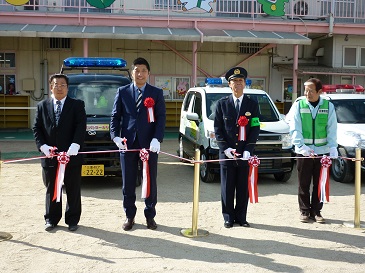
column 197, row 131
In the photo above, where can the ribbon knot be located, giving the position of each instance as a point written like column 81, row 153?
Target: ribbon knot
column 62, row 159
column 146, row 184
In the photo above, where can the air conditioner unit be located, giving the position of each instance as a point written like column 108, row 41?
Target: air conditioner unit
column 54, row 5
column 308, row 9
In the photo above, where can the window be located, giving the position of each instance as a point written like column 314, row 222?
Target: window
column 362, row 56
column 59, row 43
column 167, row 4
column 7, row 60
column 288, row 88
column 7, row 73
column 349, row 56
column 249, row 48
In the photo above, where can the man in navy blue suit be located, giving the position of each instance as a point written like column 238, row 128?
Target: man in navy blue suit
column 143, row 128
column 231, row 113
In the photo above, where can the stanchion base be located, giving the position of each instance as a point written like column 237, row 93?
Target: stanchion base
column 5, row 236
column 352, row 224
column 189, row 233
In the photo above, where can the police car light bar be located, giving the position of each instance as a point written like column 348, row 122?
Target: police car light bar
column 342, row 88
column 94, row 62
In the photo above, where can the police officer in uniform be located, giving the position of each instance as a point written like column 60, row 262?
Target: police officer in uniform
column 313, row 128
column 234, row 172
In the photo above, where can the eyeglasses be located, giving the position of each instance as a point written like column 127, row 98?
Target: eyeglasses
column 63, row 85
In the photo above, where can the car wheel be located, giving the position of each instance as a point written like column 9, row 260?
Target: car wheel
column 181, row 152
column 282, row 177
column 205, row 170
column 342, row 170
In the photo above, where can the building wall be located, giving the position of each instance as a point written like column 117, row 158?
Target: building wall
column 213, row 58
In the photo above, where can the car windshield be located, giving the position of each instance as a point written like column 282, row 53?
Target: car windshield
column 267, row 111
column 350, row 110
column 98, row 96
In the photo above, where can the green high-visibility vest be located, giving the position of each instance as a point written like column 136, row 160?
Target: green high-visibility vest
column 314, row 130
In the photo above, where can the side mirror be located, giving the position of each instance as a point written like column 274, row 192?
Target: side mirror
column 192, row 116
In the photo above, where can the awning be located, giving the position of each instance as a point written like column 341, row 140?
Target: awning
column 151, row 33
column 323, row 70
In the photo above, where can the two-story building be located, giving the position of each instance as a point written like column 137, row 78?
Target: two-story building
column 184, row 41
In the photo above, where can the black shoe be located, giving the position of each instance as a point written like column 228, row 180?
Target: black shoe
column 49, row 226
column 243, row 223
column 73, row 227
column 228, row 224
column 128, row 224
column 151, row 224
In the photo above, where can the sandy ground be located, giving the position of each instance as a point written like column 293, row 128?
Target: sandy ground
column 276, row 242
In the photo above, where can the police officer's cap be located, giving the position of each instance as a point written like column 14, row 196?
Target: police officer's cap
column 236, row 72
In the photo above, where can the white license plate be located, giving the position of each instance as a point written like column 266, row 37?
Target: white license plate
column 92, row 170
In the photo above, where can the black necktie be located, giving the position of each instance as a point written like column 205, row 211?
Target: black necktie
column 139, row 98
column 237, row 106
column 58, row 111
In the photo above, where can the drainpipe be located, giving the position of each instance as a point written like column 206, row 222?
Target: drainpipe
column 194, row 64
column 331, row 19
column 295, row 76
column 198, row 30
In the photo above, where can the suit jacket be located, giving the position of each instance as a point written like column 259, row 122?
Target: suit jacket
column 127, row 122
column 71, row 128
column 226, row 127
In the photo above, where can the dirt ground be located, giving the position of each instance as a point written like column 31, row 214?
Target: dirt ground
column 276, row 241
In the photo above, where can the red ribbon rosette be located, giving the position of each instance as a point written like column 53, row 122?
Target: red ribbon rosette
column 149, row 103
column 253, row 194
column 146, row 184
column 242, row 122
column 62, row 159
column 324, row 179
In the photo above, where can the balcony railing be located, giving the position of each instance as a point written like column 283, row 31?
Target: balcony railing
column 350, row 11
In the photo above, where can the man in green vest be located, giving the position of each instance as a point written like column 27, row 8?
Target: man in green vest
column 313, row 128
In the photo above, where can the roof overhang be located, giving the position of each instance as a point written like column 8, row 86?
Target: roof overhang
column 324, row 70
column 151, row 33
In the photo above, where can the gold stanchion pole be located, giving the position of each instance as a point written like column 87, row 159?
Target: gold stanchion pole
column 194, row 232
column 357, row 187
column 358, row 159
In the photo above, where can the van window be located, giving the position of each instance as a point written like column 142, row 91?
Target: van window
column 98, row 97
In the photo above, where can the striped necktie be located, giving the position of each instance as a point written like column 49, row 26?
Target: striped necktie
column 139, row 99
column 58, row 111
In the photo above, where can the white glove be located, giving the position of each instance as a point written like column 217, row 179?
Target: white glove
column 333, row 152
column 46, row 150
column 246, row 155
column 305, row 150
column 74, row 149
column 118, row 141
column 155, row 145
column 229, row 152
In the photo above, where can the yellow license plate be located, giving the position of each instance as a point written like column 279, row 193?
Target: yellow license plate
column 92, row 170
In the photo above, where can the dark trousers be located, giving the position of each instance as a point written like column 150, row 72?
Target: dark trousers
column 72, row 182
column 234, row 181
column 129, row 165
column 308, row 171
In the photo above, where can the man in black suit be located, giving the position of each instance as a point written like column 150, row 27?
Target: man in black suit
column 236, row 145
column 60, row 122
column 131, row 119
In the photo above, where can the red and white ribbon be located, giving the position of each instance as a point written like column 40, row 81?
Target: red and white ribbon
column 146, row 184
column 242, row 122
column 253, row 193
column 149, row 103
column 62, row 159
column 324, row 179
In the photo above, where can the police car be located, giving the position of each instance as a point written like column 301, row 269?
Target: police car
column 197, row 130
column 349, row 103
